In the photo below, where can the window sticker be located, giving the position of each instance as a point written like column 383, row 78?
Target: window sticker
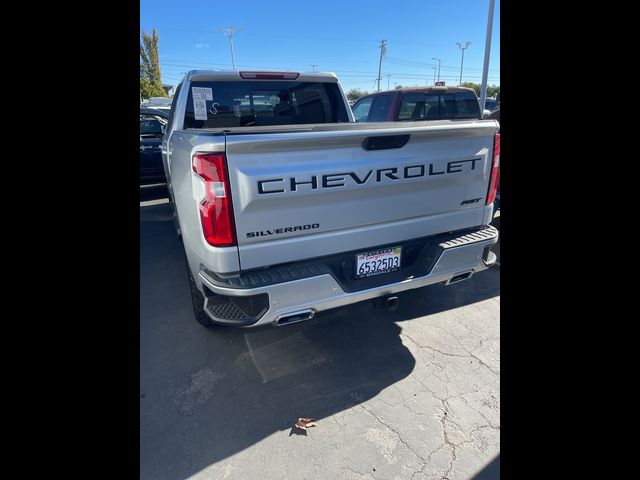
column 200, row 96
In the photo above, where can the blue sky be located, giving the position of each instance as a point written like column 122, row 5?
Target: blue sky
column 338, row 36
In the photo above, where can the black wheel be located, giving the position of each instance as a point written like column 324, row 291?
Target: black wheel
column 197, row 301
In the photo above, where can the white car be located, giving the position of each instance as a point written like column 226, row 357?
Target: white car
column 161, row 103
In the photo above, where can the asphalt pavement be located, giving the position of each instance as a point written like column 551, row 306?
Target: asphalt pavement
column 409, row 394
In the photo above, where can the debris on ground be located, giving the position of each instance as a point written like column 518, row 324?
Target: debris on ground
column 305, row 423
column 302, row 425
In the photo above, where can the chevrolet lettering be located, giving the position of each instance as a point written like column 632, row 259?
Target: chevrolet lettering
column 331, row 180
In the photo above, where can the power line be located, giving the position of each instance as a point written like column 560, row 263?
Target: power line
column 195, row 65
column 414, row 63
column 322, row 38
column 345, row 73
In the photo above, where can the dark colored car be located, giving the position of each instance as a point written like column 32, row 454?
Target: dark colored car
column 419, row 103
column 152, row 125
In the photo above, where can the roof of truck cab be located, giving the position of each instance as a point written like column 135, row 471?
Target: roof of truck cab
column 224, row 75
column 433, row 89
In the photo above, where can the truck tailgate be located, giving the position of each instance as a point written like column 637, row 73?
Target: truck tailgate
column 304, row 194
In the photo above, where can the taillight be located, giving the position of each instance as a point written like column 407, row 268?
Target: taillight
column 216, row 211
column 495, row 170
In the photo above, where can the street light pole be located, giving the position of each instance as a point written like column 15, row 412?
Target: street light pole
column 388, row 76
column 438, row 67
column 434, row 75
column 487, row 52
column 466, row 45
column 228, row 32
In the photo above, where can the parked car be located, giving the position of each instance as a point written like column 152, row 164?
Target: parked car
column 160, row 103
column 418, row 103
column 293, row 208
column 495, row 114
column 152, row 125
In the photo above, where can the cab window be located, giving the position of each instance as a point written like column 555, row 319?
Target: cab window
column 380, row 108
column 361, row 109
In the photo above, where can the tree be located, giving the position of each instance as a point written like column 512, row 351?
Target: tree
column 475, row 86
column 150, row 79
column 398, row 87
column 356, row 93
column 492, row 90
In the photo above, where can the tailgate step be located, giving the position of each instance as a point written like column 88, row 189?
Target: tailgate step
column 487, row 233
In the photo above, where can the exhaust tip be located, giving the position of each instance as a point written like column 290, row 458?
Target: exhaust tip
column 458, row 277
column 295, row 317
column 393, row 303
column 386, row 302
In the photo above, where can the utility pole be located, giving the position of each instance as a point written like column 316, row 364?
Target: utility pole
column 438, row 67
column 229, row 32
column 466, row 45
column 313, row 66
column 487, row 52
column 388, row 75
column 383, row 51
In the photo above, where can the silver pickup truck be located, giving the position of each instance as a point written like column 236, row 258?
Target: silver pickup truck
column 287, row 207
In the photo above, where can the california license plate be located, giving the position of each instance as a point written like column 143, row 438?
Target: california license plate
column 378, row 262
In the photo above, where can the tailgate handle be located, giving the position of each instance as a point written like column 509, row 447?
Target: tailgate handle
column 385, row 142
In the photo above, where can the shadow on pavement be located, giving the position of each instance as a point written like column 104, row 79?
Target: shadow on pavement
column 209, row 393
column 490, row 472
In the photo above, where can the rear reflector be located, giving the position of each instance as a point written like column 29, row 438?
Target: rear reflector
column 495, row 170
column 216, row 211
column 270, row 75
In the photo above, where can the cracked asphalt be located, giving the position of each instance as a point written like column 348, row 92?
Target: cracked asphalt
column 409, row 394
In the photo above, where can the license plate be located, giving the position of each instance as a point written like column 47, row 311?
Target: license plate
column 378, row 262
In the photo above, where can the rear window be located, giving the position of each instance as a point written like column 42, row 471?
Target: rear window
column 438, row 106
column 258, row 103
